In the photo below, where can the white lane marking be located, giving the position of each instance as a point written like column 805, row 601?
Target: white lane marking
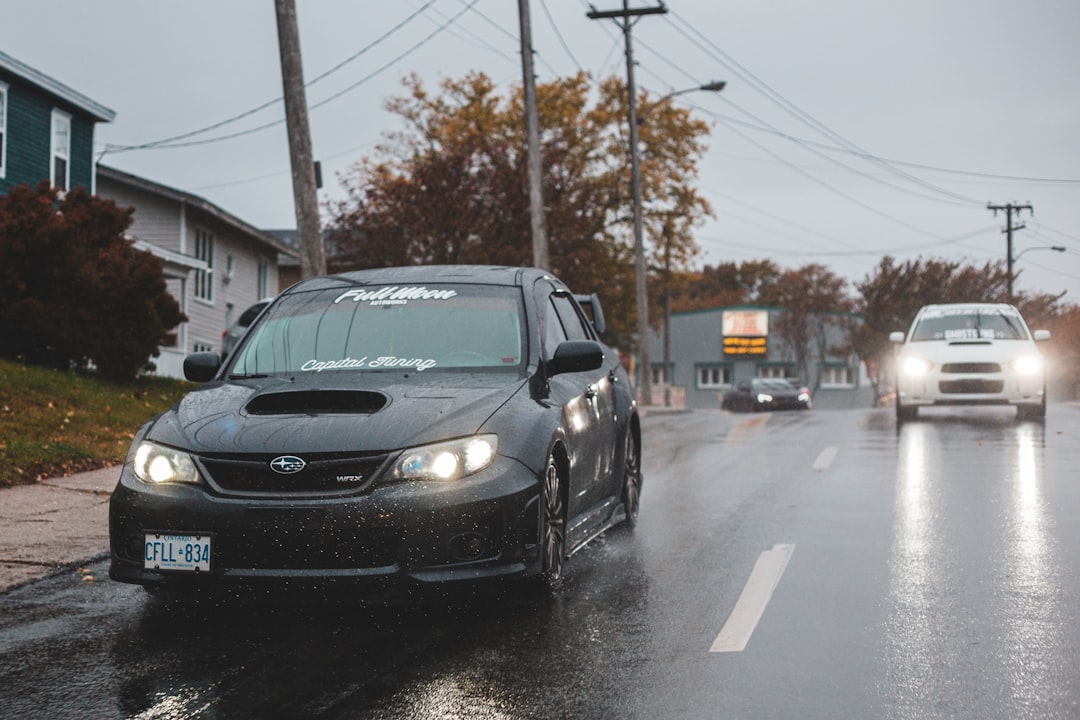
column 755, row 596
column 825, row 459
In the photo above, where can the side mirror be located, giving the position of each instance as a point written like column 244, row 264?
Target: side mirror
column 201, row 367
column 1042, row 335
column 575, row 356
column 896, row 337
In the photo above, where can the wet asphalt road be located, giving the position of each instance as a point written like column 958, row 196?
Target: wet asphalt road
column 930, row 571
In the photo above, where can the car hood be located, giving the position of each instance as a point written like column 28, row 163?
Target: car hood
column 277, row 416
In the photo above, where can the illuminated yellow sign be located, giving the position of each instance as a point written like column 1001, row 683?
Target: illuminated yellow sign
column 745, row 346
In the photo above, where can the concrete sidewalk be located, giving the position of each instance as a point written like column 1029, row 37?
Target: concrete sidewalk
column 54, row 525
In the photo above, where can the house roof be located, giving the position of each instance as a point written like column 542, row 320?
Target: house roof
column 56, row 88
column 197, row 202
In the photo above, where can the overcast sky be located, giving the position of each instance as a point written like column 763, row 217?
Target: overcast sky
column 849, row 129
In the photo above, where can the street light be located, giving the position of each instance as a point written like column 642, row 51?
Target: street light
column 1013, row 259
column 640, row 270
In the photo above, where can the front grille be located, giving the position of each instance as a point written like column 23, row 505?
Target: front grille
column 249, row 476
column 971, row 368
column 971, row 387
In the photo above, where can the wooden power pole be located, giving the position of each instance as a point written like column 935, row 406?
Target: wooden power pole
column 1009, row 209
column 532, row 139
column 309, row 234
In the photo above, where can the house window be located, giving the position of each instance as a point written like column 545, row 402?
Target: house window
column 202, row 347
column 3, row 129
column 837, row 376
column 61, row 150
column 263, row 279
column 659, row 377
column 713, row 376
column 204, row 279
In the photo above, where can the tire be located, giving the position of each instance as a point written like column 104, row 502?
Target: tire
column 905, row 412
column 552, row 527
column 631, row 489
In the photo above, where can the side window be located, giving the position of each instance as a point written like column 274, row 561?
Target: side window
column 553, row 328
column 572, row 323
column 61, row 149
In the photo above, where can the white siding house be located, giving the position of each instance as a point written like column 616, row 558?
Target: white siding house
column 216, row 265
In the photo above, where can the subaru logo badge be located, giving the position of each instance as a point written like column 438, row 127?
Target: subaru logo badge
column 287, row 464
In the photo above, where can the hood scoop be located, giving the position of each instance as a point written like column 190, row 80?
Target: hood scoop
column 314, row 402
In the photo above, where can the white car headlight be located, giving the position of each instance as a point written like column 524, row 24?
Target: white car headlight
column 764, row 398
column 155, row 464
column 915, row 366
column 448, row 460
column 1027, row 365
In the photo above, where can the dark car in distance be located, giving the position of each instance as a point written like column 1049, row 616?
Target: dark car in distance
column 417, row 424
column 762, row 394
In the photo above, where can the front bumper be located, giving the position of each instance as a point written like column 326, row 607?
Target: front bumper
column 423, row 531
column 1002, row 388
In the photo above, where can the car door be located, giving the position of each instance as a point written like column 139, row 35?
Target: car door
column 587, row 402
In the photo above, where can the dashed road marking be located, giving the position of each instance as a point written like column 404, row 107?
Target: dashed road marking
column 755, row 597
column 824, row 460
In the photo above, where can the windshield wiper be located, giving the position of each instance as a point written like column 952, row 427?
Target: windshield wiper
column 248, row 376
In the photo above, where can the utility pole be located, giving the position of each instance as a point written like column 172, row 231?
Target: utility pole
column 312, row 252
column 641, row 291
column 532, row 140
column 1008, row 231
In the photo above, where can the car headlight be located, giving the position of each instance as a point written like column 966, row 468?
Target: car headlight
column 155, row 464
column 764, row 398
column 1027, row 365
column 915, row 366
column 447, row 460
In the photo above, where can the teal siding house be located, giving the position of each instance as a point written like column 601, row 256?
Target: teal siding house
column 46, row 129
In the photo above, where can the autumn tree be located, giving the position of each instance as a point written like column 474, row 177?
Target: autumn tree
column 451, row 186
column 73, row 289
column 814, row 303
column 726, row 284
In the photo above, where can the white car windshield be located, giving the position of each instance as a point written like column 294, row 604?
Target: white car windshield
column 969, row 324
column 402, row 328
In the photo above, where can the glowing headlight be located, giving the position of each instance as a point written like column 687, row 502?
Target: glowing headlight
column 157, row 464
column 447, row 461
column 916, row 366
column 764, row 398
column 1027, row 365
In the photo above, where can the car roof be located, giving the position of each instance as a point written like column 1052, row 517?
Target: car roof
column 466, row 274
column 959, row 307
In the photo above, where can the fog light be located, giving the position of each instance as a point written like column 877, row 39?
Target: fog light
column 469, row 546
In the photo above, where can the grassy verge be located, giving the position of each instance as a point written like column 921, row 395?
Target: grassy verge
column 55, row 423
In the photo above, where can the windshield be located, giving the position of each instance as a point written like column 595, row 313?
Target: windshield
column 969, row 324
column 406, row 328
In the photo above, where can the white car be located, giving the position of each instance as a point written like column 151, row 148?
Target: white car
column 970, row 354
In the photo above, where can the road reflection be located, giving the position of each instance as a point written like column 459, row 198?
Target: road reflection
column 971, row 539
column 465, row 652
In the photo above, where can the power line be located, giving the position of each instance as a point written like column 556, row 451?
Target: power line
column 115, row 149
column 789, row 107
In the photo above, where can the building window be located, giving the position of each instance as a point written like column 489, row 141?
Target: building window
column 658, row 375
column 776, row 371
column 263, row 278
column 61, row 150
column 3, row 129
column 837, row 376
column 202, row 347
column 204, row 279
column 710, row 377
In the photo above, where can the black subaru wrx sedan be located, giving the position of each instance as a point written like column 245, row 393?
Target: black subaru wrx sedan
column 421, row 424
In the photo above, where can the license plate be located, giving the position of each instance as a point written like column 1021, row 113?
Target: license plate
column 189, row 553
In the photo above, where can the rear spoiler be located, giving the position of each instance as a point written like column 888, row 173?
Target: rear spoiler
column 591, row 303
